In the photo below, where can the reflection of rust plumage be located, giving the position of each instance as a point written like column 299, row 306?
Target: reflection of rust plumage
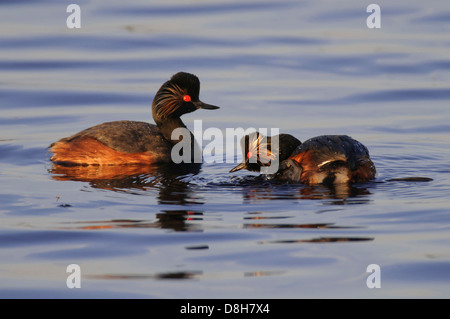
column 176, row 220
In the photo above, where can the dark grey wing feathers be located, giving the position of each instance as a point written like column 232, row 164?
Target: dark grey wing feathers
column 125, row 136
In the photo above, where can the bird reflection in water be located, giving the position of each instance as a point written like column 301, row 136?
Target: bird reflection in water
column 165, row 275
column 261, row 188
column 171, row 181
column 168, row 179
column 175, row 220
column 319, row 240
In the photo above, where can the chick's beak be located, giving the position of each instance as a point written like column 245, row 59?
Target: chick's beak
column 238, row 168
column 201, row 105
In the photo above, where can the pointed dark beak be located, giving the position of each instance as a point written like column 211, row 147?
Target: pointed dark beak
column 239, row 167
column 201, row 105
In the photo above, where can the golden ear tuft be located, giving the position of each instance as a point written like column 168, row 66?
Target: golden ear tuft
column 168, row 100
column 259, row 145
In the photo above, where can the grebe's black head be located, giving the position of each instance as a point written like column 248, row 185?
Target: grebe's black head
column 256, row 152
column 259, row 151
column 178, row 96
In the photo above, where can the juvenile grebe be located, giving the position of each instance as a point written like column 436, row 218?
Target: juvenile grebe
column 133, row 142
column 327, row 159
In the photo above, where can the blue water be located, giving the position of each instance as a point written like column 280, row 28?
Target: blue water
column 308, row 68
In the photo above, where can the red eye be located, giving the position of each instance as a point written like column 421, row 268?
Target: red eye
column 249, row 154
column 186, row 98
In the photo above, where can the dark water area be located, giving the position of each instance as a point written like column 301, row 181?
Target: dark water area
column 303, row 67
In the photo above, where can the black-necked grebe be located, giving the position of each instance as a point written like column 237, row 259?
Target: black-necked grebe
column 133, row 142
column 257, row 150
column 327, row 159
